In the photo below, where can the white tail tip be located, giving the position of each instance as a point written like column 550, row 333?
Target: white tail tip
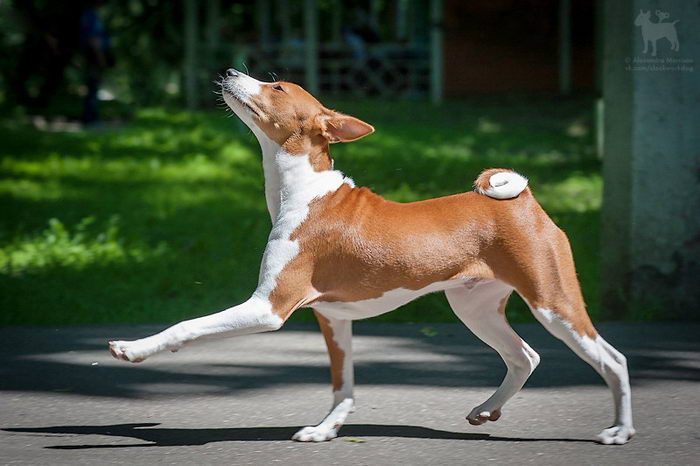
column 504, row 185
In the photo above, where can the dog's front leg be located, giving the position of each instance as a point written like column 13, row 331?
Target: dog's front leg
column 253, row 316
column 338, row 336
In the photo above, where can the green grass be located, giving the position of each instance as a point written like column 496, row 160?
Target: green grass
column 164, row 219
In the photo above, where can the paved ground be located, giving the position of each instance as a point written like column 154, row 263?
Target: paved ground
column 64, row 400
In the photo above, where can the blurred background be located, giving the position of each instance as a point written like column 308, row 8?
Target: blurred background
column 127, row 194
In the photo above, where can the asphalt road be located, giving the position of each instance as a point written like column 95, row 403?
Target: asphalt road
column 64, row 400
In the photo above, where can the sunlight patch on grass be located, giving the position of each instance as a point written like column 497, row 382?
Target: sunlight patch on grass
column 32, row 190
column 486, row 125
column 59, row 246
column 192, row 183
column 236, row 152
column 578, row 193
column 192, row 167
column 404, row 193
column 169, row 199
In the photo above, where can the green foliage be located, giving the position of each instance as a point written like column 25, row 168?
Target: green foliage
column 165, row 219
column 58, row 247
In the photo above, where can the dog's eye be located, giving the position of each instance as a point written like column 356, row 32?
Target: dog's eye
column 277, row 87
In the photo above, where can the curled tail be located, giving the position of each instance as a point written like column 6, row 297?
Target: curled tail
column 500, row 183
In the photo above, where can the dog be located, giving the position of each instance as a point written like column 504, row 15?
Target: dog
column 349, row 254
column 652, row 32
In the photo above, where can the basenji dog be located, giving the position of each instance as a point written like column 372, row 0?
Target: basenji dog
column 350, row 254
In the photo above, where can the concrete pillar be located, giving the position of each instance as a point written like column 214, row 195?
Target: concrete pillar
column 650, row 249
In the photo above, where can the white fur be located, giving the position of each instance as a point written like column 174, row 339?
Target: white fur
column 254, row 315
column 388, row 301
column 342, row 335
column 300, row 185
column 328, row 429
column 504, row 185
column 273, row 183
column 608, row 362
column 478, row 308
column 294, row 186
column 244, row 87
column 343, row 400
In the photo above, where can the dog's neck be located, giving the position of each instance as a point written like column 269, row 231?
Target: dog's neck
column 291, row 180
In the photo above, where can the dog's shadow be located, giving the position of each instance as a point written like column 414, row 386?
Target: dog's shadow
column 162, row 437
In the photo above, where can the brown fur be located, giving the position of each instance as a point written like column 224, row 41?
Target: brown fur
column 337, row 355
column 356, row 245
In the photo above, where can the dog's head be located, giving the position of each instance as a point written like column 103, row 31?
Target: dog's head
column 642, row 17
column 285, row 113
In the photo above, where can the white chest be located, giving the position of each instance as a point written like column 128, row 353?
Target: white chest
column 298, row 186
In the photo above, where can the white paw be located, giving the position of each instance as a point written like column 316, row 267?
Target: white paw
column 480, row 415
column 318, row 433
column 127, row 351
column 616, row 435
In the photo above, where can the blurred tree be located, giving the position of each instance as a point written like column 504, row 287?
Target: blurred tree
column 155, row 65
column 39, row 39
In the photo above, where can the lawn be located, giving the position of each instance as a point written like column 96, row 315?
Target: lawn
column 164, row 218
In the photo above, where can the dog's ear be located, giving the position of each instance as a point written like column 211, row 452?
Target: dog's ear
column 337, row 127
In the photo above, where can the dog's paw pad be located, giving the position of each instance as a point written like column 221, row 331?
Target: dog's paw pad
column 122, row 350
column 616, row 435
column 479, row 416
column 315, row 434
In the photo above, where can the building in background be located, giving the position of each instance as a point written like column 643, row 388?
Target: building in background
column 494, row 46
column 402, row 48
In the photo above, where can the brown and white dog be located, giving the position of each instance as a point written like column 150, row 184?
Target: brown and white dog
column 350, row 254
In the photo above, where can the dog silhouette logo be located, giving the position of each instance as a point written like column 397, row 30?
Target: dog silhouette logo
column 652, row 32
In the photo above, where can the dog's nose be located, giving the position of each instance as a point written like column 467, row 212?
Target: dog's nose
column 232, row 73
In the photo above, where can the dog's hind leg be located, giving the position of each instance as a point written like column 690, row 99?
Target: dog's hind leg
column 482, row 309
column 338, row 336
column 556, row 301
column 561, row 321
column 673, row 38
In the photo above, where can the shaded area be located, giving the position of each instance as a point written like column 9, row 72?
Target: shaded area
column 162, row 437
column 237, row 400
column 59, row 360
